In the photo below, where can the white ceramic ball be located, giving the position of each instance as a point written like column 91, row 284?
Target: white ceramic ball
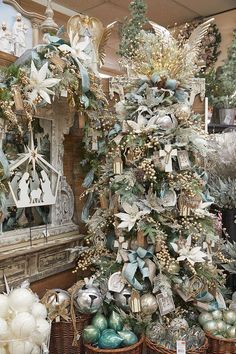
column 3, row 329
column 43, row 327
column 20, row 347
column 3, row 350
column 21, row 300
column 4, row 306
column 23, row 325
column 39, row 310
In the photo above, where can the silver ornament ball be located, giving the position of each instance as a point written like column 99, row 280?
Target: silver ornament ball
column 122, row 299
column 148, row 304
column 58, row 297
column 217, row 315
column 231, row 332
column 88, row 299
column 210, row 326
column 204, row 317
column 167, row 122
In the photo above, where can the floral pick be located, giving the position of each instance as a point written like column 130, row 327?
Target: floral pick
column 192, row 255
column 40, row 84
column 131, row 216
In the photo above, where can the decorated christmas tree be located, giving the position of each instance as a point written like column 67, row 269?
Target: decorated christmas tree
column 153, row 243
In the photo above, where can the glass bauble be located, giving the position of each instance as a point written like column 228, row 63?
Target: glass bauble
column 100, row 322
column 148, row 304
column 129, row 338
column 110, row 340
column 115, row 322
column 231, row 332
column 210, row 326
column 221, row 326
column 217, row 315
column 204, row 317
column 229, row 317
column 155, row 332
column 91, row 334
column 89, row 299
column 122, row 299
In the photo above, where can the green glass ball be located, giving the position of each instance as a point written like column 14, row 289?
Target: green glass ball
column 221, row 326
column 210, row 326
column 91, row 334
column 204, row 317
column 229, row 317
column 99, row 321
column 231, row 332
column 109, row 340
column 115, row 322
column 217, row 315
column 129, row 338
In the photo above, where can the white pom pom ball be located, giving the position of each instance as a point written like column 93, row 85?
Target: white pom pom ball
column 36, row 350
column 43, row 327
column 20, row 347
column 4, row 306
column 23, row 325
column 39, row 310
column 3, row 329
column 37, row 338
column 21, row 300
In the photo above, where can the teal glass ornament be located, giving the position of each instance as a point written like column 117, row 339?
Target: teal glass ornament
column 204, row 317
column 99, row 321
column 109, row 340
column 90, row 334
column 217, row 315
column 115, row 322
column 129, row 338
column 229, row 317
column 210, row 326
column 108, row 330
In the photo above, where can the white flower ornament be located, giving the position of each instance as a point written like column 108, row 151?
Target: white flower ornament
column 39, row 84
column 77, row 47
column 130, row 217
column 192, row 255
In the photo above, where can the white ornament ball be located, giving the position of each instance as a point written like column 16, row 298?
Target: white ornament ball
column 3, row 329
column 229, row 317
column 37, row 338
column 148, row 304
column 3, row 350
column 4, row 306
column 35, row 350
column 204, row 317
column 231, row 332
column 39, row 310
column 20, row 347
column 210, row 326
column 21, row 300
column 23, row 325
column 43, row 327
column 217, row 315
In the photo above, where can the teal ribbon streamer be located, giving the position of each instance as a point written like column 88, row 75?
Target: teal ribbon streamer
column 84, row 76
column 137, row 261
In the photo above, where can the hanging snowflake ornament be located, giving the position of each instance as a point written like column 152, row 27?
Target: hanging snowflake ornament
column 34, row 181
column 39, row 83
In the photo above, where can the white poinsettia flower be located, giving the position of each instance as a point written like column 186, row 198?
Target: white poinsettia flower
column 131, row 216
column 77, row 47
column 143, row 124
column 186, row 253
column 40, row 84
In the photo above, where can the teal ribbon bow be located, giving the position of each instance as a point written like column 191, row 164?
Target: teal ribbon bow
column 137, row 261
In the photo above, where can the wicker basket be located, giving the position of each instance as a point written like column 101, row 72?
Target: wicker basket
column 221, row 346
column 62, row 335
column 153, row 348
column 133, row 349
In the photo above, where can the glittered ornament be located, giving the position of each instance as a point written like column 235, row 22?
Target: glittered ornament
column 129, row 338
column 217, row 315
column 89, row 299
column 210, row 326
column 91, row 334
column 109, row 340
column 22, row 325
column 204, row 317
column 100, row 322
column 229, row 317
column 148, row 304
column 115, row 322
column 21, row 300
column 231, row 332
column 4, row 306
column 39, row 310
column 179, row 323
column 122, row 299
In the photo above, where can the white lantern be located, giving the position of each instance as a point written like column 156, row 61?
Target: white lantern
column 23, row 325
column 21, row 300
